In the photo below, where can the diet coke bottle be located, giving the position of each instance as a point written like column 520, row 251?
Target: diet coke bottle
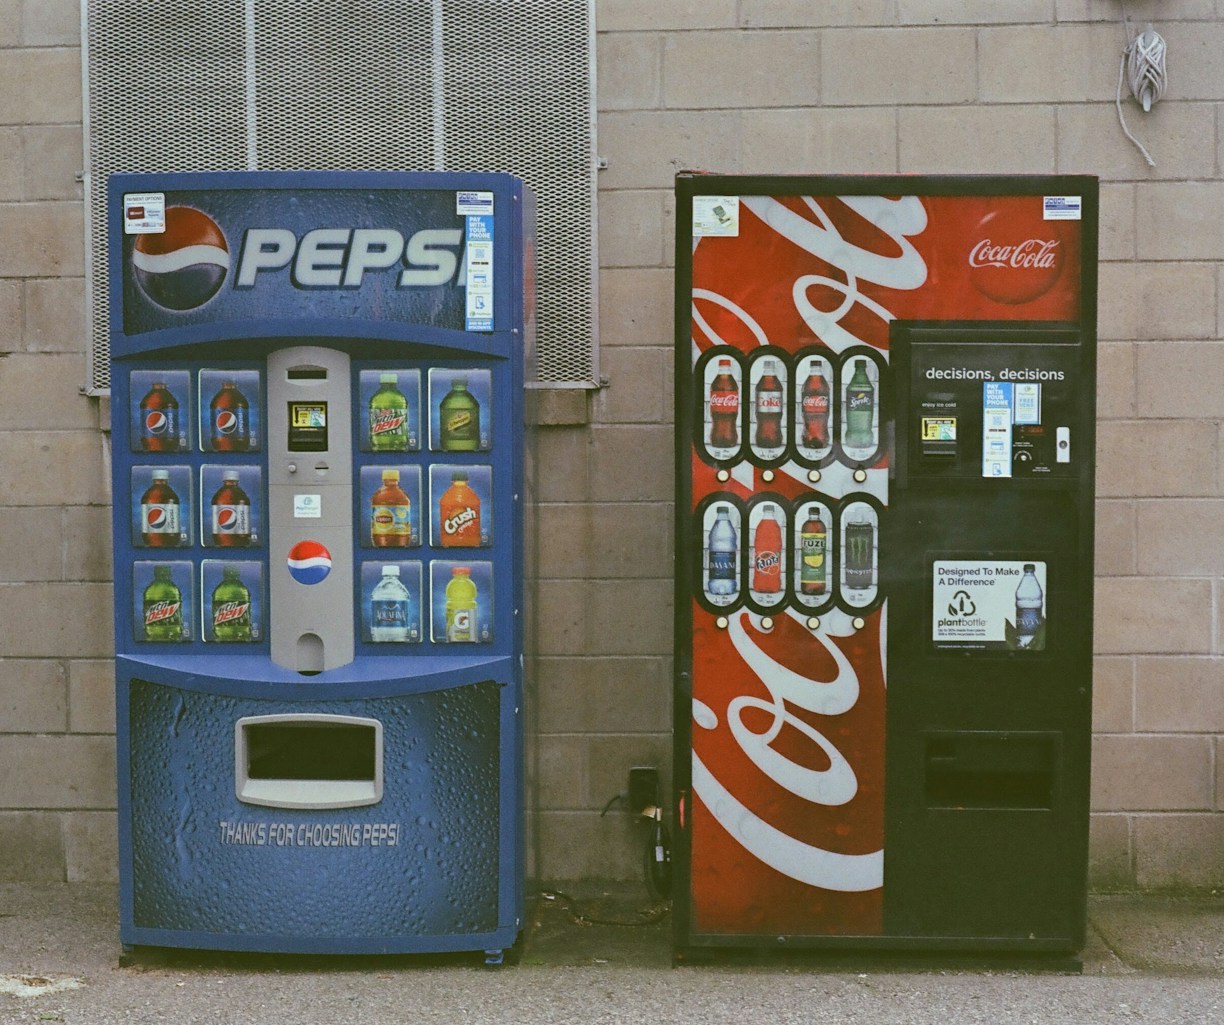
column 768, row 401
column 724, row 408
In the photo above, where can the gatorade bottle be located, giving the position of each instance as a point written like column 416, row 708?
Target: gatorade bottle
column 390, row 522
column 461, row 606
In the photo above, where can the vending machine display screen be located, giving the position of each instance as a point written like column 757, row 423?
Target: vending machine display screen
column 307, row 426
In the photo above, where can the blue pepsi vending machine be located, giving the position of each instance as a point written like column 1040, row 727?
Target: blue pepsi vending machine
column 317, row 418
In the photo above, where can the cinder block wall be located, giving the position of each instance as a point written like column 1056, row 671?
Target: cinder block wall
column 734, row 86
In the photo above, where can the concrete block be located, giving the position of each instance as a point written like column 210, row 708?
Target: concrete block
column 805, row 14
column 56, row 620
column 91, row 846
column 43, row 239
column 91, row 696
column 58, row 772
column 1116, row 380
column 1110, row 863
column 635, row 307
column 12, row 185
column 53, row 160
column 10, row 23
column 1153, row 615
column 631, row 229
column 10, row 316
column 1139, row 11
column 645, row 148
column 611, row 758
column 605, row 617
column 54, row 317
column 702, row 70
column 40, row 86
column 1179, row 850
column 1157, row 300
column 820, row 140
column 1047, row 63
column 1181, row 537
column 630, row 70
column 1156, row 458
column 1180, row 695
column 582, row 845
column 1219, row 763
column 45, row 467
column 868, row 66
column 31, row 544
column 1115, row 539
column 558, row 407
column 687, row 15
column 87, row 543
column 562, row 459
column 31, row 848
column 639, row 388
column 997, row 12
column 977, row 140
column 594, row 542
column 632, row 464
column 1180, row 380
column 1197, row 48
column 1113, row 694
column 33, row 696
column 1090, row 140
column 1180, row 221
column 51, row 23
column 1176, row 774
column 43, row 391
column 563, row 772
column 611, row 694
column 1117, row 227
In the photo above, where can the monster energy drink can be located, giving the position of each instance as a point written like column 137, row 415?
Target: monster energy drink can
column 860, row 555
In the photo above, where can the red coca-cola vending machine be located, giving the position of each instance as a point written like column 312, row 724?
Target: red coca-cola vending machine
column 885, row 433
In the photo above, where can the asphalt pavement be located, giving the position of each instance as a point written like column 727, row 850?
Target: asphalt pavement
column 601, row 954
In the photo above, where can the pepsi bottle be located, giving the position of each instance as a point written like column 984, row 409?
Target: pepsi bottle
column 229, row 419
column 231, row 514
column 160, row 525
column 159, row 420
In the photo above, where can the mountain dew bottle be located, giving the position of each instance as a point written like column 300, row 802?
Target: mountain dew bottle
column 388, row 416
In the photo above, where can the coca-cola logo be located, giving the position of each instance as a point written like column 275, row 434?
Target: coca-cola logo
column 1014, row 257
column 725, row 402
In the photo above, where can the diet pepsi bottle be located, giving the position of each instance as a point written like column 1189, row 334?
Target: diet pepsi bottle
column 231, row 514
column 1029, row 601
column 722, row 554
column 160, row 525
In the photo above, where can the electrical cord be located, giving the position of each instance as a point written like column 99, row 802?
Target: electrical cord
column 1142, row 67
column 656, row 859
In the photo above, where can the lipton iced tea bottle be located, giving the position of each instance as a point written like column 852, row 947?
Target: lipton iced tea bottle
column 459, row 419
column 459, row 514
column 390, row 509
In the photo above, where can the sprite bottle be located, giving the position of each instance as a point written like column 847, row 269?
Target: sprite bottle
column 163, row 607
column 459, row 419
column 860, row 408
column 231, row 608
column 388, row 416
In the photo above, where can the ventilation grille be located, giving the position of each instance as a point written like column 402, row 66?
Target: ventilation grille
column 409, row 85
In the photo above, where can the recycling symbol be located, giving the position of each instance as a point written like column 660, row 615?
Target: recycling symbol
column 961, row 604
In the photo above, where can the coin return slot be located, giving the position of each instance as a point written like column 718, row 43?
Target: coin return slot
column 310, row 761
column 983, row 770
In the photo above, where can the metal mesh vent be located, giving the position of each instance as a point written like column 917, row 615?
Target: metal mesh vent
column 457, row 85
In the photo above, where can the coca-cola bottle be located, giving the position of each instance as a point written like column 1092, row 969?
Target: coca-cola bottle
column 815, row 408
column 724, row 408
column 768, row 400
column 230, row 423
column 159, row 420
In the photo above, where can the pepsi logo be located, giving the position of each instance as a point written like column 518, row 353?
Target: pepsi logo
column 226, row 421
column 156, row 422
column 227, row 519
column 309, row 562
column 184, row 266
column 156, row 518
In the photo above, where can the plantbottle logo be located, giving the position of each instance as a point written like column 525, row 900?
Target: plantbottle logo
column 1014, row 258
column 184, row 266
